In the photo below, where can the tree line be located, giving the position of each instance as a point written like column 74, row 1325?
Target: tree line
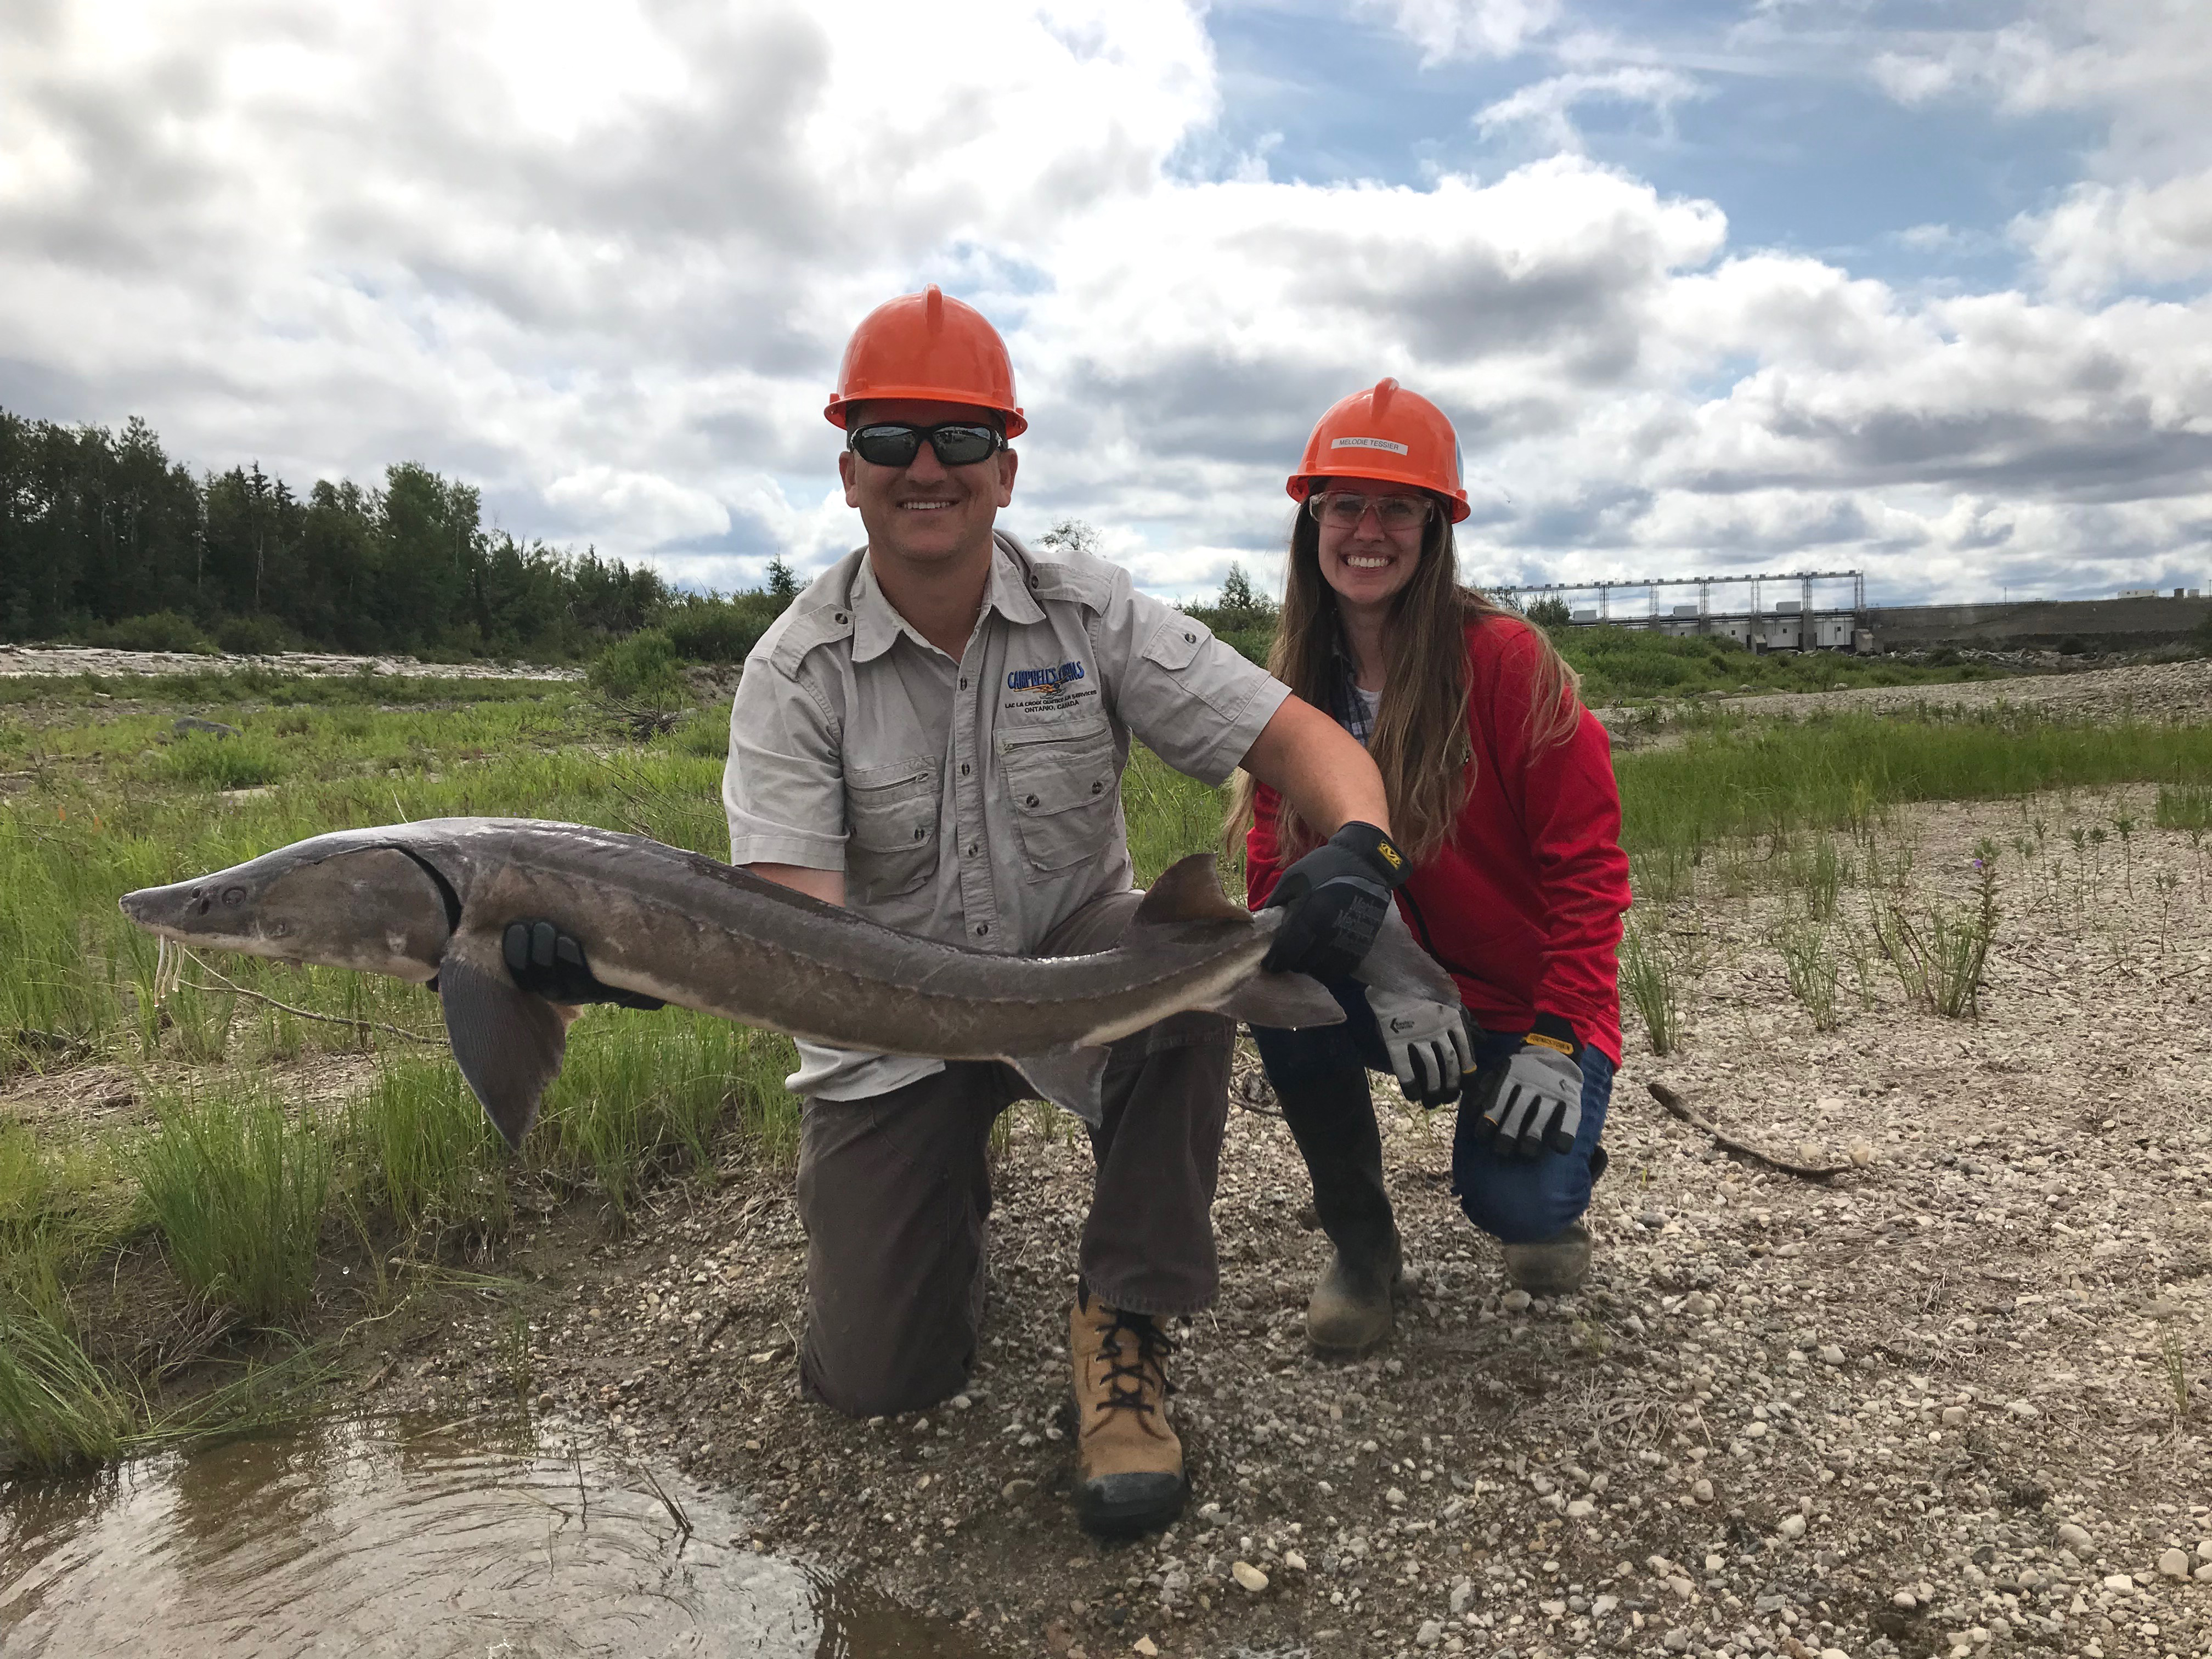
column 105, row 540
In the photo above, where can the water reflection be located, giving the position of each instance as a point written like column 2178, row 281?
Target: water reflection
column 370, row 1538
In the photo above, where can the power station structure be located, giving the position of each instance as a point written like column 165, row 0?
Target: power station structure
column 1793, row 610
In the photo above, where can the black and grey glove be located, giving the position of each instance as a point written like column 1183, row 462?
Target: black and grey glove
column 1337, row 895
column 1428, row 1043
column 1534, row 1103
column 548, row 963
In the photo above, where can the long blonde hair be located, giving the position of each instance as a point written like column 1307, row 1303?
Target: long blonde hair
column 1420, row 740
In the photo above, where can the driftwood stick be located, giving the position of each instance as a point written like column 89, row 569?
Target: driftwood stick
column 1678, row 1107
column 228, row 990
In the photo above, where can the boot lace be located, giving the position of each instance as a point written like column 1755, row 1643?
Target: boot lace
column 1147, row 1348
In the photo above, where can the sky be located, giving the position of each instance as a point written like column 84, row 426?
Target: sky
column 1919, row 288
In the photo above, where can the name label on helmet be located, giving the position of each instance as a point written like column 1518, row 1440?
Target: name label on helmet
column 1367, row 443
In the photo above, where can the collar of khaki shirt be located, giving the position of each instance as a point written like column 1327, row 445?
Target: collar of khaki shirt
column 877, row 623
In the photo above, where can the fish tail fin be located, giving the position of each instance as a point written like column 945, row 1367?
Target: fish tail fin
column 1397, row 962
column 1073, row 1079
column 508, row 1043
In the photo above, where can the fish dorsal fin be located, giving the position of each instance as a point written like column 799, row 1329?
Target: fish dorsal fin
column 1188, row 890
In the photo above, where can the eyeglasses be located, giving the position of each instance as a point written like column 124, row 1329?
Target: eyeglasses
column 895, row 443
column 1395, row 513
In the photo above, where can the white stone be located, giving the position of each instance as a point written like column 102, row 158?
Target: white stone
column 1429, row 1635
column 1249, row 1576
column 1702, row 1491
column 1293, row 1561
column 1395, row 1498
column 2174, row 1564
column 2021, row 1409
column 1463, row 1594
column 2075, row 1538
column 1582, row 1509
column 1516, row 1301
column 1831, row 1354
column 1604, row 1604
column 1953, row 1416
column 1791, row 1526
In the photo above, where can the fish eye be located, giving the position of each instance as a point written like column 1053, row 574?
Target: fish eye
column 234, row 896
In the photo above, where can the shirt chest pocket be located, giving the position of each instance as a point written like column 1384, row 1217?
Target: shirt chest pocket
column 1064, row 793
column 891, row 814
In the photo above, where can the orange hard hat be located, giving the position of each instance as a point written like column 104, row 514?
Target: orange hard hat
column 1387, row 434
column 928, row 347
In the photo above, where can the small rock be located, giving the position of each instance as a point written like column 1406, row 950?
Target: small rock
column 1429, row 1634
column 2174, row 1564
column 2204, row 1574
column 1581, row 1509
column 1831, row 1354
column 2204, row 1549
column 960, row 1402
column 1697, row 1304
column 1463, row 1594
column 1395, row 1498
column 1249, row 1575
column 2021, row 1409
column 1791, row 1526
column 1516, row 1301
column 1702, row 1491
column 2120, row 1581
column 1146, row 1645
column 1861, row 1153
column 1676, row 1640
column 1833, row 1653
column 2075, row 1538
column 1019, row 1487
column 1904, row 1599
column 1953, row 1416
column 1293, row 1561
column 1599, row 1608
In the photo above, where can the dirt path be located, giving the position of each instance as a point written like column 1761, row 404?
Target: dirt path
column 2156, row 691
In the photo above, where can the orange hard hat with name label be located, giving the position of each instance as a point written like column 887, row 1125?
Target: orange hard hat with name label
column 1385, row 435
column 929, row 347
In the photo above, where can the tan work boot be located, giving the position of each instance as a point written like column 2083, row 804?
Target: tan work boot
column 1552, row 1267
column 1128, row 1462
column 1350, row 1311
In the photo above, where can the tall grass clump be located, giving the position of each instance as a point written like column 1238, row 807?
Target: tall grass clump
column 1648, row 977
column 421, row 1151
column 56, row 1408
column 2185, row 806
column 204, row 761
column 640, row 1092
column 1170, row 816
column 1812, row 969
column 235, row 1189
column 1940, row 962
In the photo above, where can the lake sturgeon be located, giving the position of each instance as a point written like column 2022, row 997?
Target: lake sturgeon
column 430, row 901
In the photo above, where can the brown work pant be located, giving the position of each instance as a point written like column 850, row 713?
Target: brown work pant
column 895, row 1192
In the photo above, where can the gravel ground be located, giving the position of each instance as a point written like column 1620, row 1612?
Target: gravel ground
column 2167, row 690
column 19, row 661
column 1950, row 1401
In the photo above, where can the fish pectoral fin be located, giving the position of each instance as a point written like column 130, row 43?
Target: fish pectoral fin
column 1397, row 962
column 507, row 1042
column 1073, row 1079
column 1188, row 890
column 1287, row 1000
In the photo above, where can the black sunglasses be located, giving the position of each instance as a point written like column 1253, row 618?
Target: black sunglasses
column 895, row 443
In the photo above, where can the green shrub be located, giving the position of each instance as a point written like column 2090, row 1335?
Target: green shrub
column 252, row 636
column 206, row 761
column 642, row 668
column 161, row 630
column 710, row 629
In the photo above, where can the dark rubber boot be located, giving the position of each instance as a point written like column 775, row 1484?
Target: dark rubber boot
column 1332, row 1121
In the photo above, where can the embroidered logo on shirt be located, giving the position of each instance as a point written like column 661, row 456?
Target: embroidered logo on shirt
column 1047, row 680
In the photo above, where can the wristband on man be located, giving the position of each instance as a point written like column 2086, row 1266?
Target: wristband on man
column 1337, row 895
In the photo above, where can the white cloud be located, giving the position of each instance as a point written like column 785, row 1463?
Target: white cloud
column 1548, row 105
column 604, row 268
column 1446, row 29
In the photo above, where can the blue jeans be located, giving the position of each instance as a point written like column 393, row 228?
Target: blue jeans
column 1517, row 1200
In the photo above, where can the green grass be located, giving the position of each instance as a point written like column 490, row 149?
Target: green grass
column 236, row 1188
column 1620, row 664
column 57, row 1407
column 420, row 1153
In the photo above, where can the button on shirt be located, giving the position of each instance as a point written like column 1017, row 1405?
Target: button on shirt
column 976, row 802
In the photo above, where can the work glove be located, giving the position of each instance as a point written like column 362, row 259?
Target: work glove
column 548, row 963
column 1428, row 1043
column 1337, row 895
column 1534, row 1103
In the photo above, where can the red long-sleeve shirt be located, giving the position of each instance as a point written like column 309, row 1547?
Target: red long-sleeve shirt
column 1522, row 904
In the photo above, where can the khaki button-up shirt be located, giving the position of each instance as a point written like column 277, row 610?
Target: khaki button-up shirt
column 977, row 802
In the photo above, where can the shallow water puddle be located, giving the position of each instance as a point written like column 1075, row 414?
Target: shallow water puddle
column 363, row 1537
